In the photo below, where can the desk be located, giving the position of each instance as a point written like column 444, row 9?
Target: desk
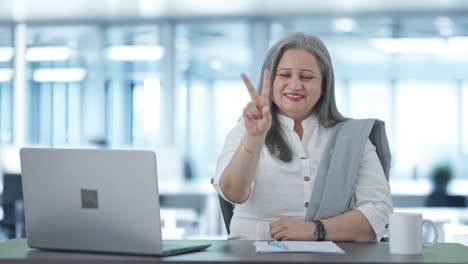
column 240, row 252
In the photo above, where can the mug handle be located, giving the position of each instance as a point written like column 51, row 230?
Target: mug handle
column 436, row 233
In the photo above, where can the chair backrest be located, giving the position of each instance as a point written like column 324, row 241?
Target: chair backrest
column 12, row 196
column 227, row 209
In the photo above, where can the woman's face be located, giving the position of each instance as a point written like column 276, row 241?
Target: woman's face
column 297, row 84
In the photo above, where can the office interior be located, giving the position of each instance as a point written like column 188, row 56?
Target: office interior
column 164, row 76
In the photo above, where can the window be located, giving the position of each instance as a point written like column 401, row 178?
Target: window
column 135, row 84
column 425, row 118
column 426, row 126
column 6, row 84
column 176, row 83
column 230, row 98
column 371, row 99
column 60, row 72
column 211, row 95
column 146, row 112
column 342, row 97
column 6, row 99
column 465, row 119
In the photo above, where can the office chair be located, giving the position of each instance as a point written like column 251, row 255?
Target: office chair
column 12, row 203
column 227, row 209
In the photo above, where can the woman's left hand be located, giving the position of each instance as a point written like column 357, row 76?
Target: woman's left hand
column 287, row 228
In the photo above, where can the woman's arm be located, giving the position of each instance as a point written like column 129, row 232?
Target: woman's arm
column 350, row 226
column 240, row 172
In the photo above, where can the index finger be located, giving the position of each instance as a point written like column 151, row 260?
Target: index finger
column 266, row 84
column 249, row 86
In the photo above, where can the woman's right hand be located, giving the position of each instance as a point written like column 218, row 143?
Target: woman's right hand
column 256, row 114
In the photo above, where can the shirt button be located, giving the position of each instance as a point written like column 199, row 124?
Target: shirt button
column 306, row 205
column 306, row 178
column 212, row 180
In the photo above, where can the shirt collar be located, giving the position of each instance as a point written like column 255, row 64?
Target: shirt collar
column 289, row 122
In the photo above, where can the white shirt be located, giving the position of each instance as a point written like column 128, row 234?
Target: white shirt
column 282, row 189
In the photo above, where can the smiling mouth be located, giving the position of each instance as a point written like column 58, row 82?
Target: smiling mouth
column 294, row 96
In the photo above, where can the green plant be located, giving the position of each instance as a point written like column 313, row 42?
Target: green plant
column 442, row 174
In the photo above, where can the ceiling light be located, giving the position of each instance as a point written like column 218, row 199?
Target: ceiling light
column 135, row 53
column 6, row 53
column 50, row 53
column 150, row 7
column 345, row 25
column 59, row 75
column 410, row 45
column 6, row 75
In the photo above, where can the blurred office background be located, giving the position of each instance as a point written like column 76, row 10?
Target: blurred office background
column 164, row 75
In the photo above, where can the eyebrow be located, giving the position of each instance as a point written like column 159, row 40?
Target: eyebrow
column 300, row 70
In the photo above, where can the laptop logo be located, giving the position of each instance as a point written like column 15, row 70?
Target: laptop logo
column 89, row 199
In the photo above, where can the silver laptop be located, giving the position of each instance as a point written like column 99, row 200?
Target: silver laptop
column 95, row 200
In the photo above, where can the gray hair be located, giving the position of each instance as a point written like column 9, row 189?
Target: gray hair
column 325, row 108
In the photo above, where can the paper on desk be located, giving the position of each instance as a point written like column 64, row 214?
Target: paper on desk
column 299, row 246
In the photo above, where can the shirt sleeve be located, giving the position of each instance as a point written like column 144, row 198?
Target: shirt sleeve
column 231, row 144
column 373, row 197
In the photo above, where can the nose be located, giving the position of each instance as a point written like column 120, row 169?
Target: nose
column 295, row 84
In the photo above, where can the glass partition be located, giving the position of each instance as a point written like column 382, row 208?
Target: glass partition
column 61, row 68
column 427, row 130
column 371, row 99
column 406, row 71
column 464, row 120
column 177, row 84
column 6, row 84
column 134, row 85
column 209, row 59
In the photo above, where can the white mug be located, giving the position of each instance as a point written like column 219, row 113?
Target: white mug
column 406, row 233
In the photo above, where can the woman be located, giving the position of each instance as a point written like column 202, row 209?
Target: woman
column 270, row 161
